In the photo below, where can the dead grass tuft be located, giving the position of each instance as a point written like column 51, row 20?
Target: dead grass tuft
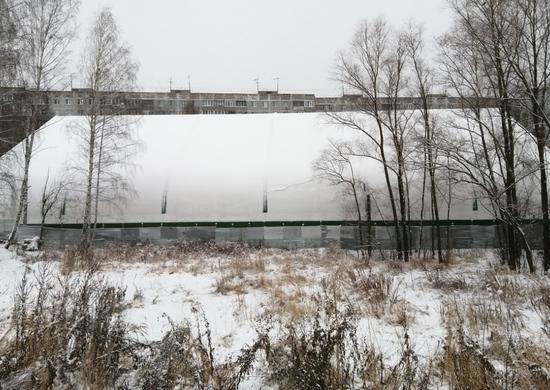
column 504, row 286
column 292, row 304
column 322, row 351
column 539, row 298
column 442, row 279
column 465, row 366
column 228, row 283
column 63, row 327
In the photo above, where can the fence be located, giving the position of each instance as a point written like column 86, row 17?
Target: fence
column 462, row 234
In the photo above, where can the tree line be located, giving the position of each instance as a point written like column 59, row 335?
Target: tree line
column 40, row 34
column 495, row 49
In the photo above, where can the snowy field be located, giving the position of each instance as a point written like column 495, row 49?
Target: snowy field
column 398, row 310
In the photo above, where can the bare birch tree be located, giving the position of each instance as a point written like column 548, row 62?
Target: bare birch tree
column 475, row 67
column 528, row 55
column 48, row 202
column 374, row 68
column 46, row 27
column 107, row 138
column 475, row 158
column 424, row 81
column 336, row 166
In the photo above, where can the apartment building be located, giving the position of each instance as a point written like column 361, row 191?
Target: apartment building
column 75, row 102
column 78, row 101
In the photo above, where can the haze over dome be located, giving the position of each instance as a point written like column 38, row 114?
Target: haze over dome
column 212, row 168
column 216, row 168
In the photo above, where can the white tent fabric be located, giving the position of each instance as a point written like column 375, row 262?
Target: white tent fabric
column 212, row 168
column 215, row 168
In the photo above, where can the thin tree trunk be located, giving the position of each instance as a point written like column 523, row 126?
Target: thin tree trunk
column 433, row 188
column 449, row 215
column 85, row 243
column 423, row 200
column 388, row 185
column 98, row 176
column 541, row 144
column 403, row 207
column 527, row 247
column 369, row 228
column 23, row 197
column 359, row 220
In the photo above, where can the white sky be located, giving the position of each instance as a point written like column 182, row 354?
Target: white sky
column 224, row 45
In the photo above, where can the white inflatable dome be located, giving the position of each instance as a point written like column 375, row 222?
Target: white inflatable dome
column 215, row 168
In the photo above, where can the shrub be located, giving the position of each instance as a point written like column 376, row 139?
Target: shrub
column 326, row 354
column 69, row 326
column 185, row 359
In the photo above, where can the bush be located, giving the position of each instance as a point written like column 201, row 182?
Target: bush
column 69, row 326
column 326, row 354
column 185, row 359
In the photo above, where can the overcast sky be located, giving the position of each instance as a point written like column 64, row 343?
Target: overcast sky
column 224, row 45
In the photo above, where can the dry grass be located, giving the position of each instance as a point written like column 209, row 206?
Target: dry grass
column 227, row 284
column 289, row 304
column 465, row 366
column 66, row 325
column 322, row 351
column 442, row 279
column 539, row 298
column 315, row 298
column 182, row 252
column 485, row 328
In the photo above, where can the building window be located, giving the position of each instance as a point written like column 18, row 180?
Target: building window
column 56, row 101
column 240, row 103
column 67, row 101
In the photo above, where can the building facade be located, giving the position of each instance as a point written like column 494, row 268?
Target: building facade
column 180, row 102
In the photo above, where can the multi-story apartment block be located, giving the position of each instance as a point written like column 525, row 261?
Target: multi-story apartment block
column 77, row 101
column 16, row 103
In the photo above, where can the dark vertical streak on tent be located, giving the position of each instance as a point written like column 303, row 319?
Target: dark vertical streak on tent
column 164, row 202
column 63, row 208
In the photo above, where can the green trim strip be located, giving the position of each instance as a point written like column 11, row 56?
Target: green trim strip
column 241, row 224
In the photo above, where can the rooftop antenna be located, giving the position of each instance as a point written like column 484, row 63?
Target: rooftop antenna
column 257, row 80
column 277, row 79
column 170, row 84
column 189, row 82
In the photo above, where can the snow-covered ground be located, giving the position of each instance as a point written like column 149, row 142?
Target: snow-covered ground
column 236, row 290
